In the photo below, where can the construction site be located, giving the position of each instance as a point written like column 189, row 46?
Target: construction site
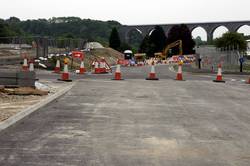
column 86, row 104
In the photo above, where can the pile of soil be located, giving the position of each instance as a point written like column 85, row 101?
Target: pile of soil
column 109, row 54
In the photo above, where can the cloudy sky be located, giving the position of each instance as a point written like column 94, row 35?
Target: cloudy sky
column 130, row 11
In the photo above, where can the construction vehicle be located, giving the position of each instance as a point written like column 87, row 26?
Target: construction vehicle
column 174, row 44
column 140, row 58
column 128, row 54
column 163, row 55
column 159, row 55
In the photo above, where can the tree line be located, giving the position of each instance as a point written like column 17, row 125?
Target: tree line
column 156, row 40
column 58, row 27
column 106, row 33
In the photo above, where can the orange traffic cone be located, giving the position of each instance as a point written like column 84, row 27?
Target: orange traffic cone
column 179, row 73
column 82, row 68
column 118, row 73
column 97, row 69
column 57, row 68
column 31, row 68
column 248, row 82
column 219, row 75
column 25, row 64
column 152, row 75
column 65, row 74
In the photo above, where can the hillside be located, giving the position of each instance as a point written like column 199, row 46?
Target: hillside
column 58, row 27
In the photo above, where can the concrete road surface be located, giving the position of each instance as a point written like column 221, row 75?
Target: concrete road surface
column 162, row 72
column 135, row 123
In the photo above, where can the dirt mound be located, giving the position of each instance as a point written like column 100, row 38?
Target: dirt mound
column 8, row 53
column 93, row 45
column 109, row 54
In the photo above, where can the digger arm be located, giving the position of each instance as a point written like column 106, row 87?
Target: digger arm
column 171, row 45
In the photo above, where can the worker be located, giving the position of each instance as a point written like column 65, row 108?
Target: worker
column 66, row 60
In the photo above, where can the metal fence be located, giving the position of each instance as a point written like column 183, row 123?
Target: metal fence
column 211, row 57
column 38, row 46
column 12, row 49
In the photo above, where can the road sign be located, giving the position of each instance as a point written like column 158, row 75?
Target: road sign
column 77, row 54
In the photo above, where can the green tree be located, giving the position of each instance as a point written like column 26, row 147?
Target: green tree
column 147, row 46
column 198, row 41
column 135, row 39
column 114, row 39
column 6, row 32
column 13, row 20
column 181, row 32
column 125, row 46
column 158, row 39
column 247, row 37
column 231, row 40
column 154, row 42
column 57, row 27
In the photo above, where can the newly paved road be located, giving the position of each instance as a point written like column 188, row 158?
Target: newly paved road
column 162, row 72
column 136, row 123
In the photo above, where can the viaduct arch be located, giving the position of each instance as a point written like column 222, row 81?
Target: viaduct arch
column 209, row 27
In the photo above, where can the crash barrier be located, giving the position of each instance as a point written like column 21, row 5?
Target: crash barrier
column 10, row 60
column 101, row 67
column 18, row 78
column 96, row 68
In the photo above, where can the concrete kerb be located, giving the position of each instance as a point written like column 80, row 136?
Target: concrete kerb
column 25, row 112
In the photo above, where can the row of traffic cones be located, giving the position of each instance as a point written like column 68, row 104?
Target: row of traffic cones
column 179, row 77
column 26, row 66
column 152, row 74
column 102, row 69
column 57, row 68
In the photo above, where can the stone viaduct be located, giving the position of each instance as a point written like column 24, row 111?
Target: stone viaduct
column 209, row 27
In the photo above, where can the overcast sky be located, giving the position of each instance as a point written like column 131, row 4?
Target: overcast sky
column 130, row 11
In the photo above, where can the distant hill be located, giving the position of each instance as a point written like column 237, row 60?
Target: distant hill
column 59, row 27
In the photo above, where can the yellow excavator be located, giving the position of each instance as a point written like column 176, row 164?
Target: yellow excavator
column 163, row 55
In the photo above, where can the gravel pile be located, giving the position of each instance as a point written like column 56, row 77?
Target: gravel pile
column 12, row 104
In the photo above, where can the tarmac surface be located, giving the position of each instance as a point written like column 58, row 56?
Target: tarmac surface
column 135, row 122
column 162, row 72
